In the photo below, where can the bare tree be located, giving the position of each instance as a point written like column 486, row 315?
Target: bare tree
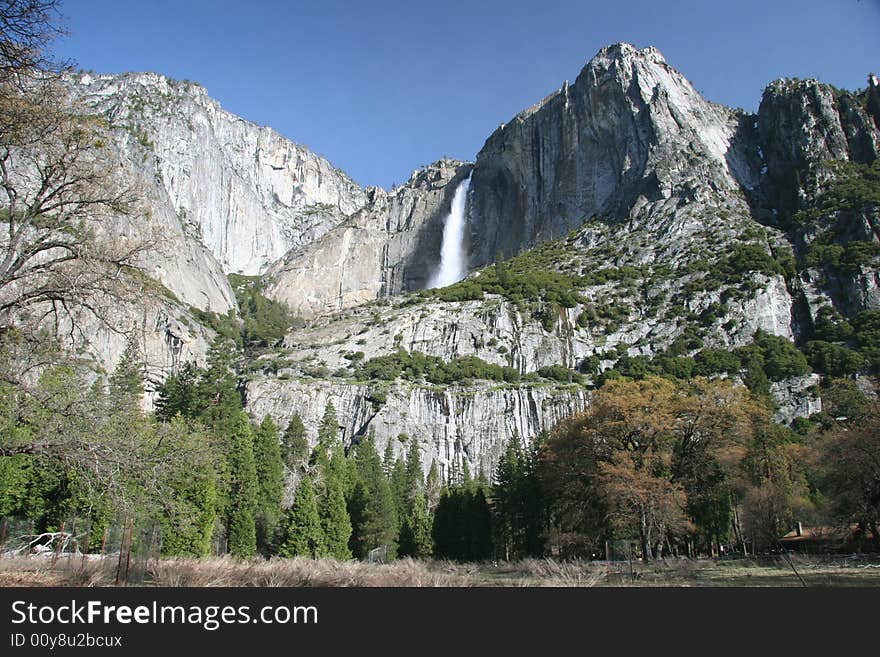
column 69, row 243
column 64, row 246
column 27, row 29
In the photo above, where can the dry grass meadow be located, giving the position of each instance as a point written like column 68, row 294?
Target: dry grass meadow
column 225, row 571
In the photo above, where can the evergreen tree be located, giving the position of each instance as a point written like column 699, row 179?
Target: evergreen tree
column 302, row 531
column 415, row 532
column 388, row 459
column 241, row 531
column 432, row 486
column 343, row 469
column 534, row 501
column 328, row 430
column 519, row 501
column 127, row 380
column 219, row 400
column 189, row 507
column 479, row 517
column 295, row 443
column 380, row 521
column 368, row 463
column 415, row 481
column 356, row 504
column 178, row 393
column 373, row 513
column 335, row 522
column 756, row 378
column 319, row 463
column 467, row 481
column 449, row 541
column 270, row 482
column 242, row 539
column 508, row 490
column 462, row 527
column 397, row 482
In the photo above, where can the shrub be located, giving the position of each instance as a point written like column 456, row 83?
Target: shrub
column 560, row 373
column 866, row 331
column 781, row 359
column 832, row 359
column 716, row 361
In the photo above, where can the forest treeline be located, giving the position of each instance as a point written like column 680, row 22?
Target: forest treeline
column 684, row 467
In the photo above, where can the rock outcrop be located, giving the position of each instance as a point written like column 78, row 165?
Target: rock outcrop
column 804, row 124
column 389, row 246
column 452, row 425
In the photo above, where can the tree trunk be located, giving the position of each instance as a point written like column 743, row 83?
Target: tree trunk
column 737, row 529
column 644, row 535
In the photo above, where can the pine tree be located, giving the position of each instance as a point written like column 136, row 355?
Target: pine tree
column 335, row 522
column 344, row 469
column 302, row 531
column 368, row 463
column 241, row 532
column 218, row 398
column 295, row 443
column 534, row 501
column 507, row 495
column 127, row 380
column 479, row 516
column 397, row 481
column 380, row 521
column 178, row 393
column 242, row 490
column 432, row 486
column 319, row 462
column 415, row 532
column 415, row 481
column 446, row 529
column 270, row 482
column 373, row 513
column 388, row 460
column 328, row 430
column 467, row 481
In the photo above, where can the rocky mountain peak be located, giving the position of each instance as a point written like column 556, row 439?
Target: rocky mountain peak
column 629, row 134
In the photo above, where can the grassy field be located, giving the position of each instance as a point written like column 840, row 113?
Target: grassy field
column 811, row 571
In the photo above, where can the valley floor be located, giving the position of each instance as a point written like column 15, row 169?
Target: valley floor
column 812, row 571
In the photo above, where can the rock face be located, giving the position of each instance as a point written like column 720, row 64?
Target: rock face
column 246, row 192
column 166, row 336
column 220, row 195
column 802, row 125
column 389, row 246
column 452, row 425
column 629, row 135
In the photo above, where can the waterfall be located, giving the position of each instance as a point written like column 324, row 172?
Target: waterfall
column 452, row 266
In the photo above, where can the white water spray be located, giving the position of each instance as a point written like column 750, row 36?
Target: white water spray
column 452, row 266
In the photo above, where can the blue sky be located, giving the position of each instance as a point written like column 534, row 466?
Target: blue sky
column 381, row 88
